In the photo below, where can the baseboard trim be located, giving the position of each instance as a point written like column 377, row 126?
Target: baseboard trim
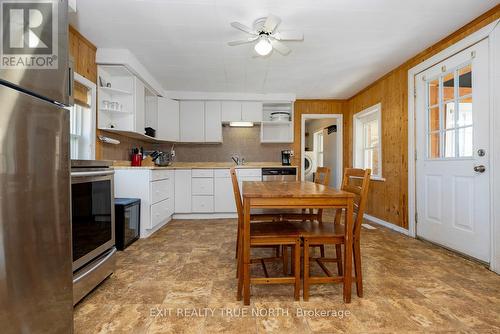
column 379, row 221
column 147, row 233
column 204, row 215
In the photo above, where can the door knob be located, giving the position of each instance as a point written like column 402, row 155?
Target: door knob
column 479, row 169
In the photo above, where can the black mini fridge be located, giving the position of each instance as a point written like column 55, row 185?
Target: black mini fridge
column 127, row 220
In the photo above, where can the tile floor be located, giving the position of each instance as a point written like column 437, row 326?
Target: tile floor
column 174, row 280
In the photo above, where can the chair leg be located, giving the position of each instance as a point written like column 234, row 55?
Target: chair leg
column 292, row 262
column 296, row 260
column 238, row 255
column 306, row 269
column 319, row 215
column 303, row 213
column 338, row 250
column 322, row 250
column 357, row 268
column 237, row 242
column 285, row 260
column 239, row 293
column 311, row 212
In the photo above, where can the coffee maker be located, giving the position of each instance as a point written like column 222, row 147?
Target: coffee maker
column 286, row 157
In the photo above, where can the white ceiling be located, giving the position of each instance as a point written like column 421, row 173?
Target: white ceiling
column 348, row 43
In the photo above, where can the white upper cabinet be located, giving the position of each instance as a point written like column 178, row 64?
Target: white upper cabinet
column 251, row 111
column 192, row 121
column 168, row 119
column 241, row 111
column 213, row 122
column 231, row 111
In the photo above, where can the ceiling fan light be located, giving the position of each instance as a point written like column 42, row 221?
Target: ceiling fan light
column 263, row 47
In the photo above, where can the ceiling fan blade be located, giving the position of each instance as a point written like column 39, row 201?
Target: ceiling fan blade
column 243, row 41
column 289, row 35
column 243, row 27
column 280, row 47
column 272, row 22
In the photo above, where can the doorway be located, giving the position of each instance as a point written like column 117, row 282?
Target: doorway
column 452, row 163
column 321, row 146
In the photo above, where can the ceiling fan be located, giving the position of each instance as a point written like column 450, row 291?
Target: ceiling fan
column 264, row 32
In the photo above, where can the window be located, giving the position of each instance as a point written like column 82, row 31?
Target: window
column 82, row 120
column 367, row 140
column 318, row 146
column 449, row 114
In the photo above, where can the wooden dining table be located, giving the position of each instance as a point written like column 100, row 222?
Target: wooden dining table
column 295, row 195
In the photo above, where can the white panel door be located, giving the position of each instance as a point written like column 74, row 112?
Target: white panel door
column 168, row 119
column 452, row 136
column 231, row 111
column 192, row 121
column 182, row 190
column 251, row 111
column 224, row 197
column 213, row 122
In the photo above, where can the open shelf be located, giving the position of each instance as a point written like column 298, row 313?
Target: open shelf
column 115, row 91
column 135, row 135
column 116, row 111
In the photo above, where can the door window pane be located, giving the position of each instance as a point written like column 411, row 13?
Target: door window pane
column 465, row 112
column 434, row 119
column 433, row 87
column 465, row 142
column 449, row 86
column 434, row 151
column 449, row 144
column 465, row 80
column 449, row 115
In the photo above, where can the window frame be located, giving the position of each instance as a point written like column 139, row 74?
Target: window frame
column 359, row 120
column 92, row 87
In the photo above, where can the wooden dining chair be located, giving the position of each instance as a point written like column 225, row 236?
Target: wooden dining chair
column 267, row 234
column 322, row 233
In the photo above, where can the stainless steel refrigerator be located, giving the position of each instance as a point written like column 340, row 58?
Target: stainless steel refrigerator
column 35, row 229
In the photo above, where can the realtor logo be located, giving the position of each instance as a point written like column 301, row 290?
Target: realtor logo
column 29, row 34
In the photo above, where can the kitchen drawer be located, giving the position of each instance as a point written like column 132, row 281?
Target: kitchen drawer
column 161, row 174
column 202, row 173
column 161, row 211
column 243, row 172
column 161, row 190
column 203, row 204
column 222, row 173
column 202, row 186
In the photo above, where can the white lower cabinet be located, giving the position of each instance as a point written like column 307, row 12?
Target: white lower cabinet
column 223, row 192
column 203, row 204
column 183, row 191
column 155, row 189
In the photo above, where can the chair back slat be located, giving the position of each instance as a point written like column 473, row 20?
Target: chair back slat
column 357, row 181
column 322, row 176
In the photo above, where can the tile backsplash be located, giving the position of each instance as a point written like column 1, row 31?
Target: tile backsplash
column 242, row 141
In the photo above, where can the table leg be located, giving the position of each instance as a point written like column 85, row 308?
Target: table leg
column 246, row 252
column 348, row 251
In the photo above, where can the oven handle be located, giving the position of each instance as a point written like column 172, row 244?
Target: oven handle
column 94, row 267
column 99, row 173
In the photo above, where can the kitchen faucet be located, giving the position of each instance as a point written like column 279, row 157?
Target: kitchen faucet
column 239, row 161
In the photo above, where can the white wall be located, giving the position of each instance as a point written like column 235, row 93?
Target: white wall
column 329, row 143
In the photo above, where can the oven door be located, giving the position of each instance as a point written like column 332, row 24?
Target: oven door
column 93, row 215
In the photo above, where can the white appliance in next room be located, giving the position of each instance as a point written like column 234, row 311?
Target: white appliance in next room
column 309, row 165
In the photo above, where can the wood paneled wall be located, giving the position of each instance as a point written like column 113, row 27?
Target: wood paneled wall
column 388, row 200
column 83, row 53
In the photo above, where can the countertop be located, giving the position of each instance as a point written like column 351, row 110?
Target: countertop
column 201, row 165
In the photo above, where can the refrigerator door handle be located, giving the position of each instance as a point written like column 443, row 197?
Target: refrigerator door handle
column 71, row 83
